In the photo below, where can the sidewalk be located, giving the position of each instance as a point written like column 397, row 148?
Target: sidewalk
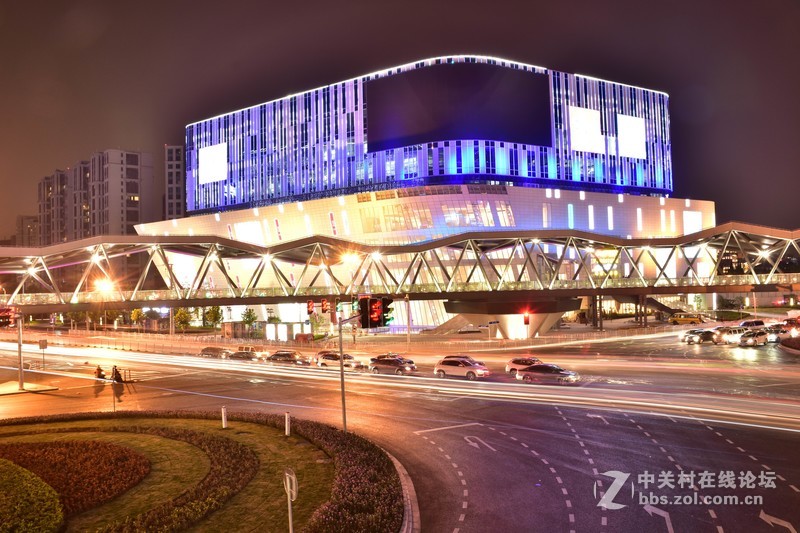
column 12, row 387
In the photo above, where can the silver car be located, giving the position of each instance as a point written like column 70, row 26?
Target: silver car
column 756, row 337
column 460, row 368
column 547, row 374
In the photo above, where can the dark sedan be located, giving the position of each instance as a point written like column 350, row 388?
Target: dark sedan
column 699, row 337
column 547, row 374
column 393, row 365
column 286, row 357
column 243, row 356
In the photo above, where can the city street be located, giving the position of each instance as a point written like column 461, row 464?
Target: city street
column 502, row 455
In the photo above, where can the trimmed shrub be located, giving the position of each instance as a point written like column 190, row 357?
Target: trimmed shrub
column 27, row 504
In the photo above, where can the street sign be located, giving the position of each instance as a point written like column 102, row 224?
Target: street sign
column 290, row 483
column 43, row 344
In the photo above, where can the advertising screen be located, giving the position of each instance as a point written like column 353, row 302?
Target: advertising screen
column 458, row 101
column 212, row 164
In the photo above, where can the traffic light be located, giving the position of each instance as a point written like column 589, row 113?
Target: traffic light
column 375, row 313
column 526, row 318
column 363, row 311
column 310, row 307
column 386, row 317
column 324, row 306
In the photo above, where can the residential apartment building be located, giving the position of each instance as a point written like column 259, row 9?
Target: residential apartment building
column 175, row 190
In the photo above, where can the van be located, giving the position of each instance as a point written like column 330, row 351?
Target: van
column 685, row 318
column 727, row 335
column 752, row 324
column 259, row 351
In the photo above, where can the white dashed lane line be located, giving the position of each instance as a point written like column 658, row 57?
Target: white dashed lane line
column 553, row 472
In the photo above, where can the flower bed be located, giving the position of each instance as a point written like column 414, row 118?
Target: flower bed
column 84, row 473
column 366, row 495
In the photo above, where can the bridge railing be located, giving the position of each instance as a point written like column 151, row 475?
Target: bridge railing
column 145, row 296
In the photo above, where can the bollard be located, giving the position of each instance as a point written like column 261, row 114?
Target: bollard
column 224, row 417
column 288, row 424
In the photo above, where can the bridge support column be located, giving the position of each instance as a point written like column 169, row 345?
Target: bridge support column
column 600, row 311
column 644, row 309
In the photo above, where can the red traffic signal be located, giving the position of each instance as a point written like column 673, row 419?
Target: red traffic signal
column 526, row 318
column 325, row 306
column 375, row 313
column 310, row 307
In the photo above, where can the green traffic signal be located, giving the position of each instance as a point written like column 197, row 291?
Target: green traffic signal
column 387, row 316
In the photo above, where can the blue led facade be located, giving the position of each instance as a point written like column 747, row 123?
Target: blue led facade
column 603, row 136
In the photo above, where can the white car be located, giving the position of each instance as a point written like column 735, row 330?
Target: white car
column 519, row 363
column 777, row 334
column 460, row 368
column 756, row 337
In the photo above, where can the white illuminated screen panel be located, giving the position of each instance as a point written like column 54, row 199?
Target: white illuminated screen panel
column 212, row 162
column 584, row 130
column 631, row 136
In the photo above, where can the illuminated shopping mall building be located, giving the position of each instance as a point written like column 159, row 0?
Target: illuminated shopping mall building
column 435, row 148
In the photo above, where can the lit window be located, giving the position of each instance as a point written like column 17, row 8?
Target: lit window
column 582, row 195
column 570, row 217
column 638, row 219
column 591, row 217
column 663, row 221
column 610, row 218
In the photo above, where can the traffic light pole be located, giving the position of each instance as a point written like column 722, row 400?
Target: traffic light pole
column 341, row 365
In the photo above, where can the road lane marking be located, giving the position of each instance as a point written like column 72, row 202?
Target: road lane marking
column 447, row 427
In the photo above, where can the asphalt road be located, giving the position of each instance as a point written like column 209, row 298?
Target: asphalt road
column 503, row 456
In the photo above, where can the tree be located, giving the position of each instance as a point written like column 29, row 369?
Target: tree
column 249, row 318
column 213, row 316
column 137, row 315
column 183, row 318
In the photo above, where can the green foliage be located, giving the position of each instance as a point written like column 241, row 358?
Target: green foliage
column 27, row 504
column 213, row 315
column 137, row 315
column 249, row 317
column 182, row 318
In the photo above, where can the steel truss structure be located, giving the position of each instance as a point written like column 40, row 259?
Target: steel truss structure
column 733, row 257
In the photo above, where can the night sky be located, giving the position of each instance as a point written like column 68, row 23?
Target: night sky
column 76, row 77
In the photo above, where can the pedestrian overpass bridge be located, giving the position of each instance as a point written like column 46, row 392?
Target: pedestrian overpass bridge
column 118, row 272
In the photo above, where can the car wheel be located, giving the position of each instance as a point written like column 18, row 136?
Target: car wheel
column 674, row 322
column 471, row 376
column 440, row 374
column 513, row 372
column 398, row 372
column 527, row 379
column 323, row 365
column 693, row 323
column 376, row 371
column 700, row 341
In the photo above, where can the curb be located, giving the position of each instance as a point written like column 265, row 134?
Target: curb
column 411, row 520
